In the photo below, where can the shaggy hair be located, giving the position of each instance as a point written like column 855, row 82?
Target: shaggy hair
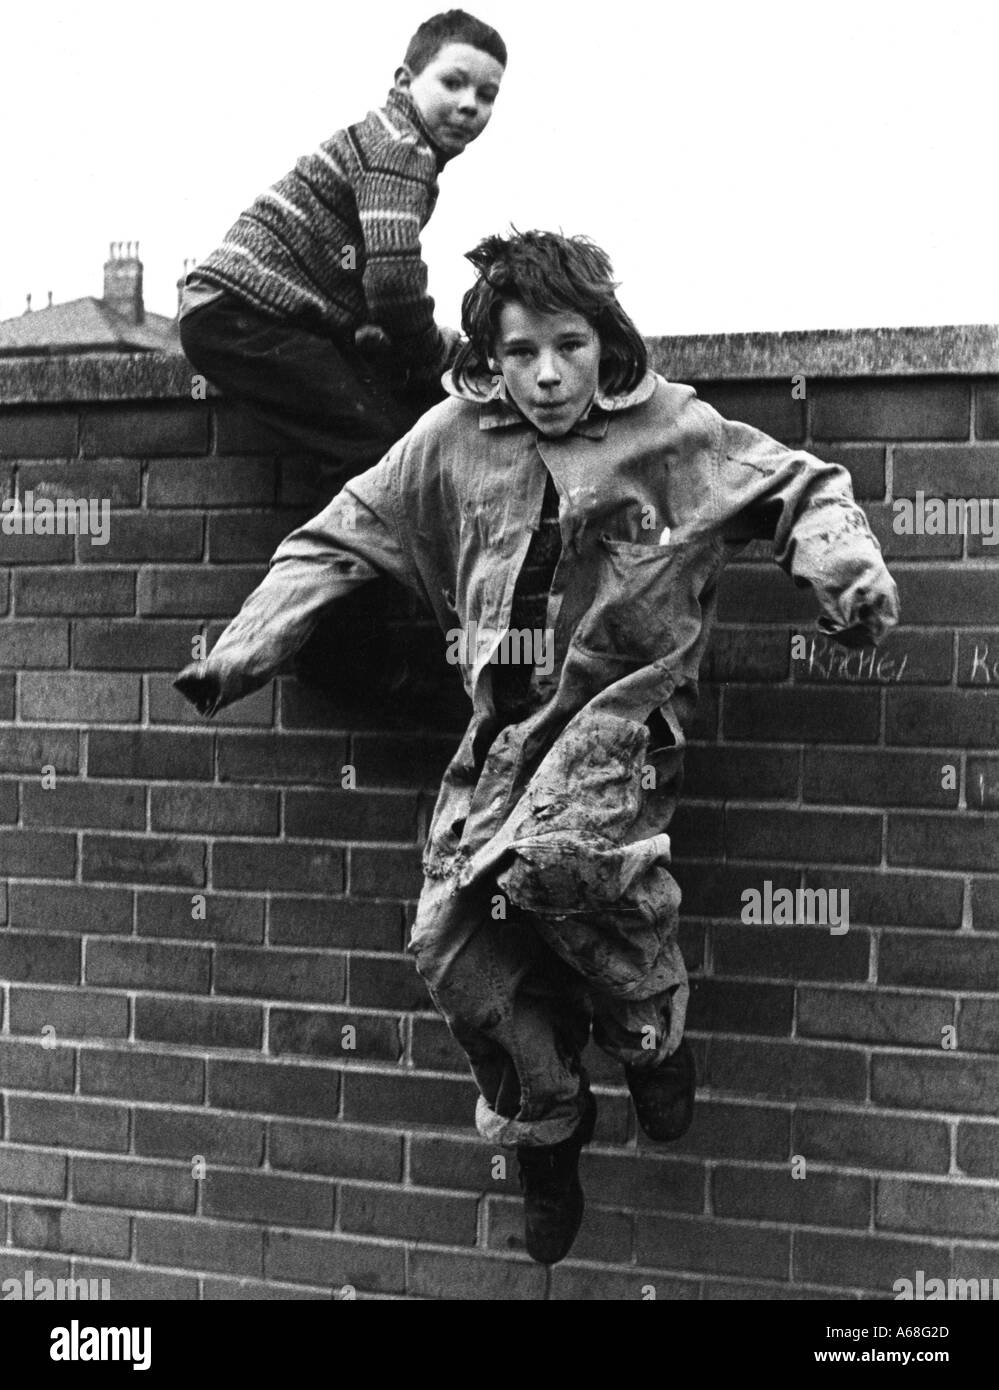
column 454, row 26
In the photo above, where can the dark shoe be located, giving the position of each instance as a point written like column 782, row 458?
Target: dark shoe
column 553, row 1197
column 664, row 1094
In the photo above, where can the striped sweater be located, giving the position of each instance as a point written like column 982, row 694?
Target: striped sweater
column 336, row 242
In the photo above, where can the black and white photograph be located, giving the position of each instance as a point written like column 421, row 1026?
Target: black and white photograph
column 499, row 670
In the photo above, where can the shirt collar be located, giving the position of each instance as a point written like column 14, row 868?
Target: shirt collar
column 497, row 411
column 402, row 107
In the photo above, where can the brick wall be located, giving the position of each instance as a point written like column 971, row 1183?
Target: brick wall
column 192, row 913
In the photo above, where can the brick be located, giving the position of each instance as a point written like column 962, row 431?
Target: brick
column 235, row 536
column 885, row 409
column 982, row 784
column 27, row 644
column 277, row 1201
column 168, row 706
column 87, row 699
column 141, row 1075
column 342, row 1152
column 281, row 758
column 271, row 1088
column 864, row 462
column 873, row 1015
column 8, row 802
column 408, row 1215
column 956, row 1084
column 138, row 646
column 31, row 549
column 39, row 959
column 862, row 1139
column 954, row 718
column 590, row 1285
column 214, row 810
column 195, row 590
column 977, row 1149
column 34, row 433
column 67, row 592
column 696, row 829
column 152, row 756
column 7, row 696
column 978, row 1025
column 940, row 594
column 320, row 1033
column 881, row 778
column 225, row 918
column 109, row 806
column 715, row 890
column 198, row 1023
column 401, row 761
column 970, row 470
column 463, row 1164
column 312, row 866
column 788, row 1070
column 886, row 898
column 63, row 1228
column 938, row 962
column 714, row 1246
column 199, row 1245
column 644, row 1183
column 336, row 923
column 386, row 983
column 38, row 852
column 184, row 1134
column 117, row 481
column 889, row 521
column 978, row 658
column 241, row 1290
column 148, row 965
column 16, row 1266
column 604, row 1235
column 76, row 1013
column 406, row 1099
column 865, row 1262
column 767, row 406
column 976, row 1262
column 4, row 591
column 937, row 1208
column 146, row 537
column 730, row 772
column 224, row 482
column 141, row 1285
column 57, row 907
column 275, row 974
column 30, row 1066
column 434, row 1274
column 143, row 1186
column 353, row 815
column 722, row 1129
column 380, row 872
column 237, row 432
column 987, row 410
column 801, row 714
column 735, row 654
column 768, row 1194
column 131, row 859
column 762, row 594
column 24, row 1173
column 145, row 431
column 945, row 842
column 333, row 1262
column 803, row 835
column 719, row 1006
column 71, row 1124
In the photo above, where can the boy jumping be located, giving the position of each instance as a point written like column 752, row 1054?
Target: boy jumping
column 314, row 311
column 567, row 494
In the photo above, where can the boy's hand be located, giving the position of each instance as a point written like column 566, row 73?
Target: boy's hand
column 372, row 341
column 875, row 613
column 196, row 685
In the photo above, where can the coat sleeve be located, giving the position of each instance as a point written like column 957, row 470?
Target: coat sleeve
column 354, row 539
column 820, row 535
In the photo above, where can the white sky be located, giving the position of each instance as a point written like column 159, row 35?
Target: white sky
column 749, row 165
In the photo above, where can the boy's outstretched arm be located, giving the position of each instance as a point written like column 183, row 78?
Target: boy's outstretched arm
column 821, row 537
column 352, row 540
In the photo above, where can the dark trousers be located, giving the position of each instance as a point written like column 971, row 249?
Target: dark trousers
column 316, row 392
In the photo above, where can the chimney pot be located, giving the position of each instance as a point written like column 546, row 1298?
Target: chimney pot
column 123, row 283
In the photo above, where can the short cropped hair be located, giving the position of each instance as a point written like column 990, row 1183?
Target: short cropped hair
column 454, row 26
column 551, row 274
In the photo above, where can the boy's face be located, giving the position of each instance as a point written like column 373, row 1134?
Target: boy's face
column 550, row 365
column 454, row 93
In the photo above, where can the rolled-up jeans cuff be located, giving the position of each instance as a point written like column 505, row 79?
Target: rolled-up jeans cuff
column 498, row 1129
